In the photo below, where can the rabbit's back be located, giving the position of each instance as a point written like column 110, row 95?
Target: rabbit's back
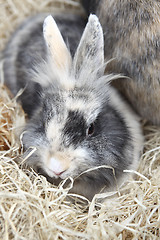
column 132, row 38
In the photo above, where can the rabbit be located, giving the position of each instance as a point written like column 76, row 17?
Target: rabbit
column 132, row 41
column 77, row 123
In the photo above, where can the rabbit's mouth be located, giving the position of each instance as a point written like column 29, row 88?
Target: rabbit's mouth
column 54, row 180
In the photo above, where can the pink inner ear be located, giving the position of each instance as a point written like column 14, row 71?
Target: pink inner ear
column 59, row 53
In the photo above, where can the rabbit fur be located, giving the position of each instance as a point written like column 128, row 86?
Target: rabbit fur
column 132, row 38
column 76, row 120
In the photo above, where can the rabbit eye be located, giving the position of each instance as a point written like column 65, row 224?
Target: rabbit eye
column 90, row 129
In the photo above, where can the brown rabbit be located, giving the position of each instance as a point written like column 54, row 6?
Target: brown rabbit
column 132, row 39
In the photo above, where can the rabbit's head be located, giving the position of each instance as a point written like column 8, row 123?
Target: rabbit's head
column 81, row 123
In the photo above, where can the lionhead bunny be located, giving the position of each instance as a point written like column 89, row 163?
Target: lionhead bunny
column 76, row 120
column 132, row 38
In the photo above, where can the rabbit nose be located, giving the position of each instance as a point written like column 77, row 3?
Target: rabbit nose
column 58, row 173
column 57, row 166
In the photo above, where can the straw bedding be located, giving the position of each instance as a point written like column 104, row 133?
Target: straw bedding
column 31, row 208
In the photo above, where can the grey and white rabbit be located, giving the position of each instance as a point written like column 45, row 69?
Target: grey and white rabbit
column 76, row 120
column 132, row 38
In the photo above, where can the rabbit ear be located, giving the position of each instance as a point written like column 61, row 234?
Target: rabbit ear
column 60, row 55
column 89, row 57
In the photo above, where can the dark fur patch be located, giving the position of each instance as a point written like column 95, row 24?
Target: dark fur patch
column 112, row 132
column 75, row 128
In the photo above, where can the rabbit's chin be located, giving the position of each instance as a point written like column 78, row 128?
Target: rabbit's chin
column 78, row 185
column 50, row 176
